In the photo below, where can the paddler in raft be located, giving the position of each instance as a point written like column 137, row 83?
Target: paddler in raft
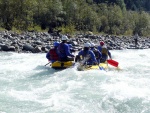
column 105, row 52
column 52, row 55
column 97, row 53
column 63, row 50
column 86, row 56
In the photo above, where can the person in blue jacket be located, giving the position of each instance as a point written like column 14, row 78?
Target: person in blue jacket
column 97, row 53
column 86, row 55
column 105, row 52
column 64, row 50
column 52, row 55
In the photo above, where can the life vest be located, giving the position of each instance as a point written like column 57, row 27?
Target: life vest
column 104, row 51
column 96, row 53
column 53, row 54
column 61, row 49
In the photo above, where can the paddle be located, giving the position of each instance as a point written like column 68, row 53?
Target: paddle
column 113, row 62
column 100, row 68
column 47, row 63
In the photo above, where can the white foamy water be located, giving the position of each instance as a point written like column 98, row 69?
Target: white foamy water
column 27, row 86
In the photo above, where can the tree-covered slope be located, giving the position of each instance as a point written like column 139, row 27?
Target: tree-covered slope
column 136, row 5
column 119, row 17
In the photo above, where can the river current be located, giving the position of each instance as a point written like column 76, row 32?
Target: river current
column 27, row 86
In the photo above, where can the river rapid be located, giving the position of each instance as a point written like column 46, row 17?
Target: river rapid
column 27, row 86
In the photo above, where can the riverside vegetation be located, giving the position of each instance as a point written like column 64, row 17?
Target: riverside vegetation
column 117, row 17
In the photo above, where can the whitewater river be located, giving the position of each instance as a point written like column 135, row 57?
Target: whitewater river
column 27, row 86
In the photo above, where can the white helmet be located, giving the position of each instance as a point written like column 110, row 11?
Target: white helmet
column 64, row 37
column 87, row 44
column 92, row 45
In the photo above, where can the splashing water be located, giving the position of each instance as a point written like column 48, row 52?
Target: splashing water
column 27, row 86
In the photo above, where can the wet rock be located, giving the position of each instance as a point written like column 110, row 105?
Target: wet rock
column 38, row 42
column 4, row 47
column 37, row 49
column 48, row 47
column 43, row 48
column 12, row 48
column 41, row 42
column 28, row 47
column 74, row 43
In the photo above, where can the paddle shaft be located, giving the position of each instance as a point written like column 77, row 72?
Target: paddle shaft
column 101, row 68
column 47, row 63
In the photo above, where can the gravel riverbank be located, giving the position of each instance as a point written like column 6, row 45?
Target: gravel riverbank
column 41, row 42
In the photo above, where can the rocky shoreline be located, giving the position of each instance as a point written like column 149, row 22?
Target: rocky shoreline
column 41, row 42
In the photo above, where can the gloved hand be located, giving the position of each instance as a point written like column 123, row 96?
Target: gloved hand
column 95, row 63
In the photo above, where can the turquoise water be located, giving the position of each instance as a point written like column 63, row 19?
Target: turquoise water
column 27, row 86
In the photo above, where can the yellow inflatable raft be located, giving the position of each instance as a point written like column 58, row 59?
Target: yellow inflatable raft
column 62, row 65
column 101, row 66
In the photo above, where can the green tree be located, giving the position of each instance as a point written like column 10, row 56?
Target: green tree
column 115, row 19
column 143, row 23
column 5, row 14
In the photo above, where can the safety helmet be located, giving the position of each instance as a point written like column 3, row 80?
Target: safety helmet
column 56, row 43
column 64, row 37
column 102, row 43
column 92, row 45
column 87, row 44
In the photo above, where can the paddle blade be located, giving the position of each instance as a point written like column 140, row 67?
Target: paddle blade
column 113, row 63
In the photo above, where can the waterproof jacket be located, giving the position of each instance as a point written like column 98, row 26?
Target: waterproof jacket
column 97, row 53
column 91, row 59
column 63, row 50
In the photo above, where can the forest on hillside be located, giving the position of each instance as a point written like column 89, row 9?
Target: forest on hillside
column 135, row 5
column 117, row 17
